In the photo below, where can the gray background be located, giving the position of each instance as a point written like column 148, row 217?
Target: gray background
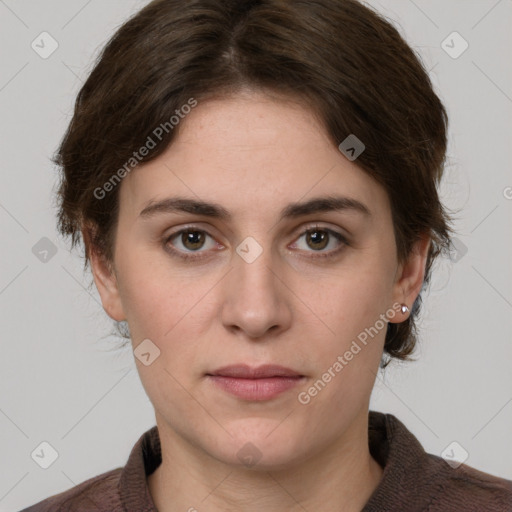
column 59, row 380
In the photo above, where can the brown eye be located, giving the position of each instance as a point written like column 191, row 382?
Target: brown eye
column 319, row 238
column 186, row 242
column 192, row 240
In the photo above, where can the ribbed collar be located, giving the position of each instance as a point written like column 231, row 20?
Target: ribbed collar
column 411, row 476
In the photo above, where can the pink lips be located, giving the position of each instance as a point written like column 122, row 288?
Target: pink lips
column 261, row 383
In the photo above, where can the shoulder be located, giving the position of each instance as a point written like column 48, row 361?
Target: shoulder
column 469, row 489
column 97, row 493
column 415, row 480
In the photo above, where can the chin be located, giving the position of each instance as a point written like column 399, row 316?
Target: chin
column 262, row 445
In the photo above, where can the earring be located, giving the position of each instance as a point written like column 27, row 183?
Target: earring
column 404, row 309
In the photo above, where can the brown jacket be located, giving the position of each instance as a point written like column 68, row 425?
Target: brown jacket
column 413, row 480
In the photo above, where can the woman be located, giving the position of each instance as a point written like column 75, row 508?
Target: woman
column 255, row 183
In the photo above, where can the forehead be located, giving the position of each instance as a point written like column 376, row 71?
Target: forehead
column 250, row 151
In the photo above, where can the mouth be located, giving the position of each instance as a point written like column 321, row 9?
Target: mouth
column 243, row 371
column 255, row 384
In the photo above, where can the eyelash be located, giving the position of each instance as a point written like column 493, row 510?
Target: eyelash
column 187, row 256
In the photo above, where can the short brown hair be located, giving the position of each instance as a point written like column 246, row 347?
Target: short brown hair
column 347, row 63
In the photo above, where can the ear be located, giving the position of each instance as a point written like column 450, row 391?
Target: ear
column 410, row 274
column 104, row 277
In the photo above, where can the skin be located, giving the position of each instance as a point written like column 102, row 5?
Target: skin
column 254, row 154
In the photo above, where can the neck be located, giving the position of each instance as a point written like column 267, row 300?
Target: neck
column 340, row 479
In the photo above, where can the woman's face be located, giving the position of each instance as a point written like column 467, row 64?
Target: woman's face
column 253, row 287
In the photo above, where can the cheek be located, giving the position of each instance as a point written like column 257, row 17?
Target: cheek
column 163, row 304
column 346, row 321
column 147, row 291
column 348, row 300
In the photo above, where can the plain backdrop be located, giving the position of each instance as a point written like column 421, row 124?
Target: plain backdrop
column 60, row 382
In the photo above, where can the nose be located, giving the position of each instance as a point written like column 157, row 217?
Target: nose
column 256, row 298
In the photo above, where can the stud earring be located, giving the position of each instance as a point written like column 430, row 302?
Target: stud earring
column 404, row 309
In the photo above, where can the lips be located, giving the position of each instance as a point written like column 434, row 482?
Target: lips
column 242, row 371
column 255, row 384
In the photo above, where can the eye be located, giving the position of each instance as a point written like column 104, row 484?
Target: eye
column 319, row 238
column 191, row 240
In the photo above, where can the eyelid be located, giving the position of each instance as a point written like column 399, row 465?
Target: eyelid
column 318, row 225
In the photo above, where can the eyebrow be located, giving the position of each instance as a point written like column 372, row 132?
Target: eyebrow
column 291, row 211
